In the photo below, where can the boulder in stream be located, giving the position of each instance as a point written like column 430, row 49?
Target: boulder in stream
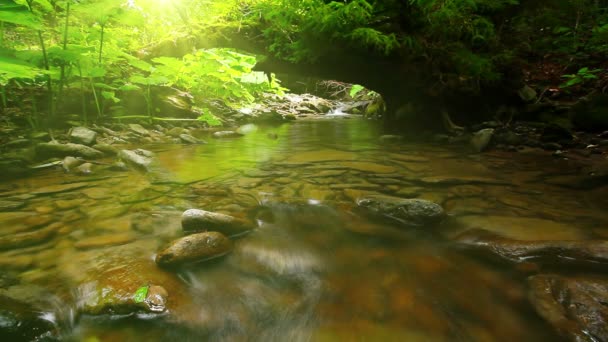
column 196, row 220
column 188, row 139
column 20, row 321
column 194, row 248
column 574, row 306
column 57, row 150
column 83, row 135
column 226, row 134
column 138, row 159
column 481, row 139
column 406, row 211
column 582, row 252
column 70, row 163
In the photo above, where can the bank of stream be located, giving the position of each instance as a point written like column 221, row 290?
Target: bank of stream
column 315, row 265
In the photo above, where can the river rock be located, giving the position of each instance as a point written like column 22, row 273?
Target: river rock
column 574, row 306
column 9, row 205
column 20, row 240
column 481, row 139
column 246, row 129
column 70, row 162
column 57, row 150
column 226, row 134
column 20, row 321
column 188, row 139
column 120, row 298
column 83, row 135
column 408, row 212
column 84, row 169
column 583, row 251
column 108, row 150
column 527, row 94
column 194, row 248
column 104, row 241
column 175, row 132
column 138, row 159
column 196, row 220
column 139, row 129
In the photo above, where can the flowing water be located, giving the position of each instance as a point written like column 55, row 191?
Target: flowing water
column 314, row 269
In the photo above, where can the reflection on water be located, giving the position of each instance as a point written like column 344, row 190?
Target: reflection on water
column 314, row 269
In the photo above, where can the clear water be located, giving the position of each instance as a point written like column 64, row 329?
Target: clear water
column 314, row 269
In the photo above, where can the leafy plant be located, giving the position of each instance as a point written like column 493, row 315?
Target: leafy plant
column 209, row 118
column 582, row 75
column 355, row 89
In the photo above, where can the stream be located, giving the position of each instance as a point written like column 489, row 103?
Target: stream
column 314, row 268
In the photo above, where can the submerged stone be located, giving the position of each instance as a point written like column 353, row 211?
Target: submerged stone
column 138, row 159
column 574, row 306
column 188, row 139
column 196, row 220
column 26, row 239
column 56, row 150
column 83, row 135
column 194, row 248
column 139, row 129
column 481, row 139
column 408, row 212
column 20, row 321
column 70, row 162
column 226, row 134
column 84, row 169
column 583, row 251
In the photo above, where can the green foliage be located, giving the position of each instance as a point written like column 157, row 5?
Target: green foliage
column 583, row 75
column 355, row 89
column 217, row 73
column 11, row 68
column 209, row 118
column 20, row 15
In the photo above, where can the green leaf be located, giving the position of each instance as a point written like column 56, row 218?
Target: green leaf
column 13, row 68
column 140, row 294
column 209, row 118
column 129, row 87
column 110, row 95
column 355, row 89
column 19, row 15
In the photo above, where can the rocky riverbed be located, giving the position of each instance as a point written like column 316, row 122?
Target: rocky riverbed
column 315, row 230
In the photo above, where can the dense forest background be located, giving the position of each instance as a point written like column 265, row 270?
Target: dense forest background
column 107, row 59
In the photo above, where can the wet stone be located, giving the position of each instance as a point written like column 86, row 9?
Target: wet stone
column 520, row 227
column 139, row 129
column 550, row 252
column 83, row 135
column 138, row 159
column 188, row 139
column 21, row 240
column 7, row 205
column 70, row 163
column 408, row 212
column 54, row 189
column 194, row 248
column 20, row 321
column 196, row 220
column 574, row 306
column 104, row 240
column 108, row 150
column 84, row 169
column 56, row 150
column 226, row 134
